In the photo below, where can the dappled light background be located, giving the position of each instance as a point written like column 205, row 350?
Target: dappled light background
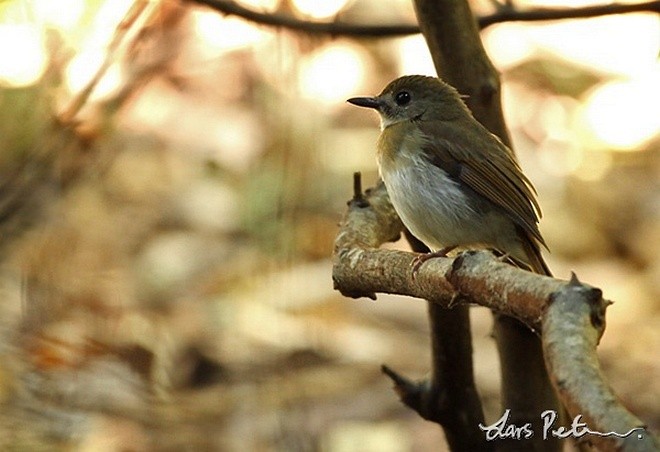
column 172, row 180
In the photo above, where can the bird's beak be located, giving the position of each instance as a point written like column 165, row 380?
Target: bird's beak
column 369, row 102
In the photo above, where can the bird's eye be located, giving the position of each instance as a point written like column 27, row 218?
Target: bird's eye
column 402, row 98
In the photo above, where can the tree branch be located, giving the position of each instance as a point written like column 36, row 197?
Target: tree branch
column 453, row 38
column 507, row 14
column 572, row 327
column 568, row 315
column 449, row 397
column 232, row 8
column 374, row 31
column 361, row 269
column 81, row 98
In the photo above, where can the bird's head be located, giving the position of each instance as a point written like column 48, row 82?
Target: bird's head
column 414, row 98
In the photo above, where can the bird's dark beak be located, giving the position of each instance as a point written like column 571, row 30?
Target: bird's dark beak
column 369, row 102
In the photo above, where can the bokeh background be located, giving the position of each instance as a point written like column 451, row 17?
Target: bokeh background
column 171, row 180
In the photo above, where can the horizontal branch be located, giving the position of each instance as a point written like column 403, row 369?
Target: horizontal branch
column 315, row 28
column 572, row 327
column 569, row 316
column 584, row 12
column 361, row 269
column 337, row 28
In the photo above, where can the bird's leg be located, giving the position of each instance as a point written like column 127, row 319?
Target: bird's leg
column 508, row 259
column 419, row 260
column 501, row 256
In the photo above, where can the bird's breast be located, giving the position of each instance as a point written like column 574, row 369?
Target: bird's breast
column 436, row 208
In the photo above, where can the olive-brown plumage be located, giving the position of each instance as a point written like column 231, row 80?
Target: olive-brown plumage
column 451, row 181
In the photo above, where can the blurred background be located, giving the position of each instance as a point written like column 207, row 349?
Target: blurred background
column 171, row 180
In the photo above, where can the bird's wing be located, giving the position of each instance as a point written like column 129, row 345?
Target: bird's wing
column 477, row 158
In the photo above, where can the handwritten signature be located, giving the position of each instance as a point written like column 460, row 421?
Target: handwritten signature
column 502, row 429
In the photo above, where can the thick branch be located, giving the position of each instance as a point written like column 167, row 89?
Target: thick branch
column 460, row 59
column 451, row 33
column 449, row 396
column 373, row 31
column 526, row 387
column 570, row 315
column 572, row 327
column 361, row 269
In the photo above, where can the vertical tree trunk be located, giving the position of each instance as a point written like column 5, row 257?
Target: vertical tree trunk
column 460, row 59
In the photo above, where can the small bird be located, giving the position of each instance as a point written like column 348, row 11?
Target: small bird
column 452, row 182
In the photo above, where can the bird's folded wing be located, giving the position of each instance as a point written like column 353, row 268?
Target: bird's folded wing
column 480, row 160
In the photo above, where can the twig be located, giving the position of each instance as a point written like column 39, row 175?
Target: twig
column 374, row 31
column 230, row 7
column 124, row 26
column 584, row 12
column 358, row 196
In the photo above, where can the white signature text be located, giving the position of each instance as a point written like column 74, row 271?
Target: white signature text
column 502, row 429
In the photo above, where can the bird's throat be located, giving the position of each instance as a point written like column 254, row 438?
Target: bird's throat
column 393, row 139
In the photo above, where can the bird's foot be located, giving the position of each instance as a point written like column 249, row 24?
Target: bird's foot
column 502, row 257
column 419, row 260
column 506, row 258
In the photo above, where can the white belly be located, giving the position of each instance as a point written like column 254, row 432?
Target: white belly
column 440, row 213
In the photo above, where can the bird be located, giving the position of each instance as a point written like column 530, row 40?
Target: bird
column 452, row 182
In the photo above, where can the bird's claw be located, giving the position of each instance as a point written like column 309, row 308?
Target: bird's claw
column 417, row 262
column 421, row 258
